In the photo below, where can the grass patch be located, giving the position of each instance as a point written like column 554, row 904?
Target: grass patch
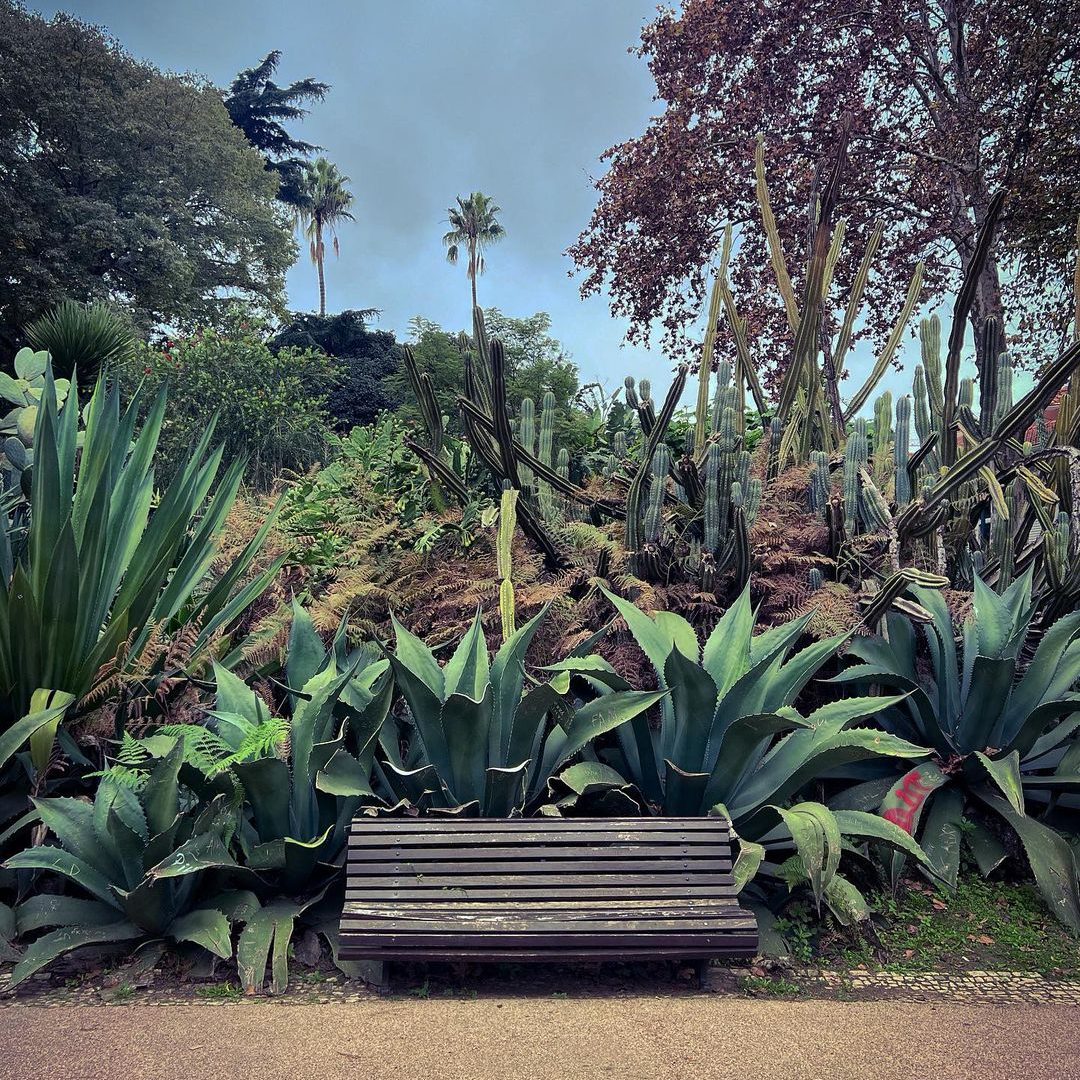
column 981, row 926
column 763, row 986
column 220, row 992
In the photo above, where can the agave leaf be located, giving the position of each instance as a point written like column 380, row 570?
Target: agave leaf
column 598, row 716
column 266, row 783
column 942, row 833
column 466, row 723
column 1052, row 860
column 161, row 799
column 57, row 942
column 67, row 865
column 693, row 699
column 343, row 775
column 726, row 655
column 467, row 672
column 205, row 852
column 272, row 925
column 844, row 900
column 306, row 652
column 988, row 850
column 71, row 821
column 862, row 826
column 207, row 927
column 1005, row 773
column 45, row 909
column 817, row 839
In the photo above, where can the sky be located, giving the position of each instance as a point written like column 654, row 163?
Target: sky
column 432, row 99
column 435, row 98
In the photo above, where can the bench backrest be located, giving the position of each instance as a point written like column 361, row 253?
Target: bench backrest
column 538, row 859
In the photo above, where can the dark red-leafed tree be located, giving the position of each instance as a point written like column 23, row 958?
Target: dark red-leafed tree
column 949, row 101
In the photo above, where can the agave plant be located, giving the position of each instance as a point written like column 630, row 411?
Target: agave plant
column 105, row 563
column 142, row 856
column 83, row 338
column 477, row 740
column 302, row 788
column 1003, row 735
column 731, row 743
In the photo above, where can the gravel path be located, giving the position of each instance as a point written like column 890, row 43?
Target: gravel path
column 646, row 1038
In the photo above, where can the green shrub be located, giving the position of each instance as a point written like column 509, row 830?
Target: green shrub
column 270, row 406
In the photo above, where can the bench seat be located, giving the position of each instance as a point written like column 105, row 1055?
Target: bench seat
column 541, row 889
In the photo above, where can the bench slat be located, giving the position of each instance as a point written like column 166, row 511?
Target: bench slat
column 648, row 843
column 700, row 849
column 482, row 894
column 550, row 867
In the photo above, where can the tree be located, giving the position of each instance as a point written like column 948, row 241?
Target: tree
column 323, row 203
column 123, row 184
column 369, row 360
column 473, row 225
column 949, row 101
column 259, row 108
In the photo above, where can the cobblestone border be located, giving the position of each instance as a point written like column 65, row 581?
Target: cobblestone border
column 987, row 987
column 860, row 984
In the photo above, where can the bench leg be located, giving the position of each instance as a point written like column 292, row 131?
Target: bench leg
column 702, row 967
column 374, row 973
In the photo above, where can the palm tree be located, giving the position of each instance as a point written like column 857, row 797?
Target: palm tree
column 324, row 201
column 473, row 225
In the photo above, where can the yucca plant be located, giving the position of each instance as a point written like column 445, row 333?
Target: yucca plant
column 1003, row 733
column 479, row 740
column 83, row 339
column 143, row 855
column 107, row 560
column 731, row 743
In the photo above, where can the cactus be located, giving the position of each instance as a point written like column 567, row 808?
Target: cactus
column 526, row 435
column 883, row 436
column 815, row 579
column 1004, row 401
column 712, row 519
column 930, row 343
column 818, row 487
column 504, row 561
column 619, row 445
column 654, row 505
column 902, row 482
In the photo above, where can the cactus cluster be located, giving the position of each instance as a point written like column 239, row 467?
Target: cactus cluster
column 711, row 482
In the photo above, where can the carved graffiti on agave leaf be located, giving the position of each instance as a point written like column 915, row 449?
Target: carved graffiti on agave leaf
column 904, row 804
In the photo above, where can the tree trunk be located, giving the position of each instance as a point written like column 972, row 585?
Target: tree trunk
column 472, row 272
column 319, row 263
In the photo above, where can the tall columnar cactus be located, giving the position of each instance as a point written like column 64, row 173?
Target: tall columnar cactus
column 776, row 437
column 545, row 451
column 711, row 509
column 1004, row 401
column 527, row 438
column 883, row 436
column 930, row 342
column 504, row 561
column 856, row 457
column 901, row 451
column 654, row 502
column 818, row 486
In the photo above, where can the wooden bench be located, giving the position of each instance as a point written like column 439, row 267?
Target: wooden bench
column 541, row 889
